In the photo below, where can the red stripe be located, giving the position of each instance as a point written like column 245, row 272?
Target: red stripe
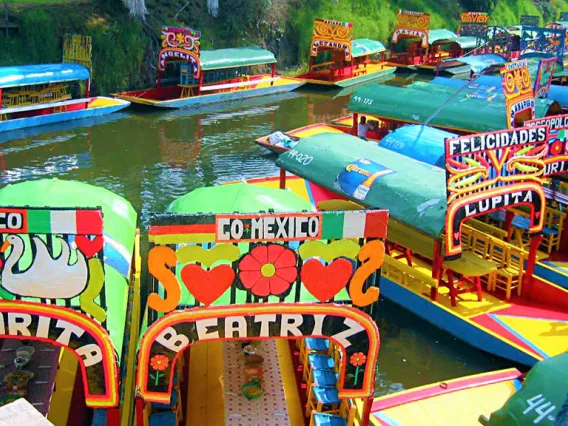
column 182, row 229
column 436, row 389
column 89, row 222
column 376, row 224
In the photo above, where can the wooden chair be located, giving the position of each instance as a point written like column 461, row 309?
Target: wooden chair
column 552, row 230
column 497, row 254
column 480, row 245
column 346, row 416
column 511, row 275
column 323, row 399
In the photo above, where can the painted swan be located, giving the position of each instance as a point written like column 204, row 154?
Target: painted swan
column 46, row 277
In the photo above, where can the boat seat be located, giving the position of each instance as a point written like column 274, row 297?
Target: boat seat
column 167, row 418
column 323, row 419
column 324, row 377
column 317, row 344
column 316, row 362
column 323, row 399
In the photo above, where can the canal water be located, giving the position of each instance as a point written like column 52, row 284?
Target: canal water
column 151, row 158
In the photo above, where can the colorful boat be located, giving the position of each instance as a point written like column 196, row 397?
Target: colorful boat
column 336, row 59
column 70, row 308
column 223, row 353
column 473, row 65
column 453, row 402
column 209, row 76
column 36, row 95
column 525, row 327
column 415, row 45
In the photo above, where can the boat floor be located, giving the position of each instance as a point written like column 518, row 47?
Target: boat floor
column 208, row 391
column 536, row 328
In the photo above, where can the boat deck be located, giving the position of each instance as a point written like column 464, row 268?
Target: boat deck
column 216, row 373
column 329, row 77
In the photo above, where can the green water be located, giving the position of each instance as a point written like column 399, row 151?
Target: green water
column 151, row 158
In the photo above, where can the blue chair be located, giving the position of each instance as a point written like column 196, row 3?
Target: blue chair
column 317, row 344
column 167, row 418
column 324, row 377
column 323, row 419
column 323, row 396
column 316, row 361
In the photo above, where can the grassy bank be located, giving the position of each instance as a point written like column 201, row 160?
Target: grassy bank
column 124, row 51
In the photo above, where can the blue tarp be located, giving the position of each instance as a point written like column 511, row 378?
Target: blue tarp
column 27, row 75
column 422, row 143
column 557, row 93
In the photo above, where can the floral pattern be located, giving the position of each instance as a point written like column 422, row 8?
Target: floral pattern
column 357, row 360
column 158, row 363
column 268, row 269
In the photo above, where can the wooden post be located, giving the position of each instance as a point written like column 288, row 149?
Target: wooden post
column 354, row 127
column 531, row 261
column 367, row 406
column 282, row 179
column 113, row 416
column 273, row 73
column 200, row 83
column 88, row 91
column 509, row 216
column 140, row 411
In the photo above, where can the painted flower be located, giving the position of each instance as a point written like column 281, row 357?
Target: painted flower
column 358, row 359
column 268, row 269
column 159, row 362
column 180, row 38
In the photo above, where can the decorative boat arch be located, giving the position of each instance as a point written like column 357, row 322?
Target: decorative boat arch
column 353, row 331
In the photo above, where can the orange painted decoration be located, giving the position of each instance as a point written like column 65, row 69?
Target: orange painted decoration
column 372, row 254
column 159, row 259
column 325, row 281
column 207, row 286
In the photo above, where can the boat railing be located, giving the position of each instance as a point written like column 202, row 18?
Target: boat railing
column 240, row 84
column 61, row 105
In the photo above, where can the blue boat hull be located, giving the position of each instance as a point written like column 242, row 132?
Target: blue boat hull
column 41, row 120
column 198, row 101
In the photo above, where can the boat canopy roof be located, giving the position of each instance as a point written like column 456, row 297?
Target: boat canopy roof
column 423, row 143
column 467, row 42
column 422, row 207
column 441, row 35
column 235, row 57
column 412, row 105
column 563, row 23
column 557, row 93
column 365, row 46
column 28, row 75
column 119, row 227
column 476, row 63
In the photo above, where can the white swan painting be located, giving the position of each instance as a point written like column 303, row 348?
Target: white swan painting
column 46, row 277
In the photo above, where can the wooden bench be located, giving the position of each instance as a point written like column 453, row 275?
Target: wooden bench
column 61, row 105
column 418, row 276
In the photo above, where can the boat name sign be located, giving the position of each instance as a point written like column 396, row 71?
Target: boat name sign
column 497, row 140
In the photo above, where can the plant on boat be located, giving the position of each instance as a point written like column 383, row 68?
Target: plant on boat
column 357, row 360
column 268, row 269
column 158, row 363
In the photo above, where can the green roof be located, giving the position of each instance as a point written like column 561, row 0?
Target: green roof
column 235, row 57
column 442, row 34
column 422, row 207
column 365, row 46
column 467, row 42
column 417, row 102
column 119, row 226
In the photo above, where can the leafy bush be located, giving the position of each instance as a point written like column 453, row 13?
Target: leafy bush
column 40, row 37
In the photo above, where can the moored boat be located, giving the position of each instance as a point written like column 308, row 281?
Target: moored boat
column 336, row 59
column 70, row 301
column 209, row 76
column 36, row 95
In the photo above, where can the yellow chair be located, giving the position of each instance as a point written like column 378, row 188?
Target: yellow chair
column 497, row 254
column 552, row 231
column 480, row 244
column 511, row 275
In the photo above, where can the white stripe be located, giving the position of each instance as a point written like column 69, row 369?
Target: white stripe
column 63, row 221
column 118, row 247
column 354, row 224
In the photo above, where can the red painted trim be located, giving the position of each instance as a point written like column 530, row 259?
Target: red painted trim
column 113, row 417
column 437, row 389
column 282, row 179
column 182, row 229
column 139, row 411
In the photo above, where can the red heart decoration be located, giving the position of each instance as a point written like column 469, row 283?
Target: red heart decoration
column 207, row 286
column 456, row 235
column 325, row 281
column 537, row 214
column 89, row 247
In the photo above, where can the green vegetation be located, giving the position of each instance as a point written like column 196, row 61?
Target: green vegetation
column 125, row 51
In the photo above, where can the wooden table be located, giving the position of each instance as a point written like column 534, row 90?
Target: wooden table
column 470, row 268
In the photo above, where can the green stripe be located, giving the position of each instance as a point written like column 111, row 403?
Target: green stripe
column 332, row 225
column 39, row 221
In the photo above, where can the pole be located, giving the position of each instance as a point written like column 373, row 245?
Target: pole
column 367, row 406
column 282, row 179
column 273, row 73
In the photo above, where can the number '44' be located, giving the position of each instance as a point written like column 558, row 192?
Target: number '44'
column 542, row 407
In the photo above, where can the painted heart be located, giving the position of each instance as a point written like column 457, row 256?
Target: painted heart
column 537, row 214
column 456, row 236
column 207, row 286
column 325, row 281
column 89, row 247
